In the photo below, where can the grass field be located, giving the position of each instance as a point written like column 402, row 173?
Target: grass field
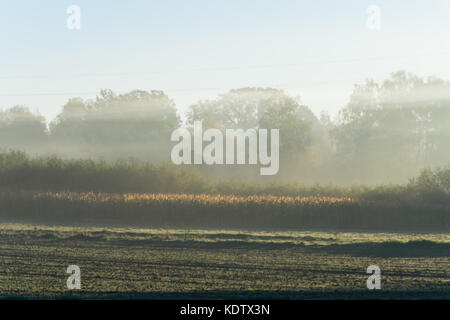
column 158, row 263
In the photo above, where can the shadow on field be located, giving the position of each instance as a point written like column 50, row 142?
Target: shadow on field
column 363, row 249
column 422, row 248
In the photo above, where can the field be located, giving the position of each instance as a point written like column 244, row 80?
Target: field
column 183, row 263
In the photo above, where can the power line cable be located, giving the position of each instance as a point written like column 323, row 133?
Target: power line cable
column 291, row 84
column 366, row 59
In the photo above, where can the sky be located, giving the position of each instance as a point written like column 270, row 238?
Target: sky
column 196, row 49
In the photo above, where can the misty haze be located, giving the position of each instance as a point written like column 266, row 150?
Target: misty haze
column 223, row 150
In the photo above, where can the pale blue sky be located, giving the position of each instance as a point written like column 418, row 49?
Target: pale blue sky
column 195, row 49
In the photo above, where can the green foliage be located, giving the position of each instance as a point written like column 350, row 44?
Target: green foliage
column 18, row 171
column 136, row 124
column 259, row 108
column 394, row 128
column 433, row 185
column 22, row 129
column 21, row 172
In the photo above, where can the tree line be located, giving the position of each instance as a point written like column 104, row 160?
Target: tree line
column 386, row 133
